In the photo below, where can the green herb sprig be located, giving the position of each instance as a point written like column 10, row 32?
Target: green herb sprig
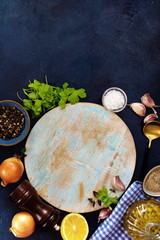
column 104, row 197
column 43, row 97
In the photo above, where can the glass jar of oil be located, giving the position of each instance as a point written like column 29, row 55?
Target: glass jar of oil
column 142, row 220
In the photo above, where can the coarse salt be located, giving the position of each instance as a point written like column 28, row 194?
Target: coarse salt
column 114, row 100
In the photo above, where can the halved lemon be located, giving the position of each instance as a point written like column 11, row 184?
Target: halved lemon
column 74, row 227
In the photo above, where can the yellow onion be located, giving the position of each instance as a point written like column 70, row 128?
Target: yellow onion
column 23, row 225
column 11, row 170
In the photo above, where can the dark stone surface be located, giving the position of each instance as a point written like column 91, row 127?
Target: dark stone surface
column 90, row 44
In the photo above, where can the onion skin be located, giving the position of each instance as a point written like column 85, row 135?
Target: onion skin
column 11, row 170
column 23, row 225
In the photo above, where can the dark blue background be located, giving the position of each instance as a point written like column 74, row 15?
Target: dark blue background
column 94, row 44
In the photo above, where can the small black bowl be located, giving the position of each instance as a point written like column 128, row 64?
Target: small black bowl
column 15, row 140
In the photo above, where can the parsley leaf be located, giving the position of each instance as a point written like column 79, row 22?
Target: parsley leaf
column 62, row 103
column 65, row 85
column 32, row 95
column 107, row 203
column 114, row 200
column 27, row 104
column 81, row 93
column 35, row 85
column 73, row 98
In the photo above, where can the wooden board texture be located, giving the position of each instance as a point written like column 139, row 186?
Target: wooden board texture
column 73, row 151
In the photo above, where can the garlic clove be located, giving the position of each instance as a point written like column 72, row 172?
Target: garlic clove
column 150, row 117
column 148, row 101
column 118, row 184
column 138, row 108
column 104, row 213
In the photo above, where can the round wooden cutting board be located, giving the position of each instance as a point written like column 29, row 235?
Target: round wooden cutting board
column 73, row 151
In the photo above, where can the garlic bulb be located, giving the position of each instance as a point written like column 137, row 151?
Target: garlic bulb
column 11, row 170
column 23, row 225
column 138, row 108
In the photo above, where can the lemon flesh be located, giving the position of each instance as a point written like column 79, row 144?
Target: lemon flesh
column 74, row 227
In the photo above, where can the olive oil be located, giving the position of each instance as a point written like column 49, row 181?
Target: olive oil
column 142, row 219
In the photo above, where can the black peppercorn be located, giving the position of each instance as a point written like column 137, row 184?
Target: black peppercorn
column 11, row 122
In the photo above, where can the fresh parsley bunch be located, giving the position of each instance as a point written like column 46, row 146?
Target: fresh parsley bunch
column 43, row 97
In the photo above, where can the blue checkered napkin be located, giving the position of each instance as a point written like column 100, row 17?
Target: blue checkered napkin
column 112, row 228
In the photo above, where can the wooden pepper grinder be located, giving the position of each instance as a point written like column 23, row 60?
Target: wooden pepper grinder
column 26, row 198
